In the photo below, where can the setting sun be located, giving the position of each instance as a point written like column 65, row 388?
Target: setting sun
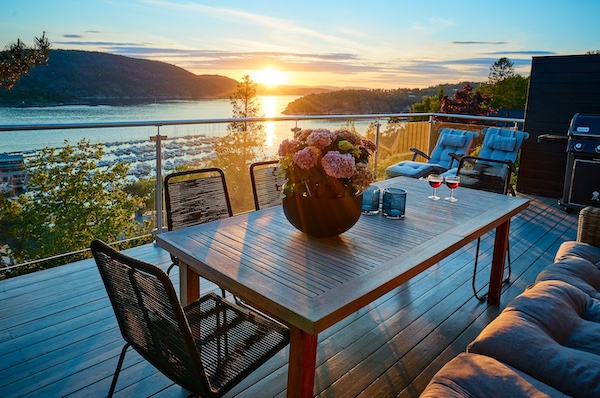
column 270, row 77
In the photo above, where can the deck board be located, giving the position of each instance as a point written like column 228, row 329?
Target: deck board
column 58, row 335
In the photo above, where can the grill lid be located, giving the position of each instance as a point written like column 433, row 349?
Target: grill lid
column 585, row 126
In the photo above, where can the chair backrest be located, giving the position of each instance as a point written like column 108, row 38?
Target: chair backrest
column 194, row 197
column 267, row 184
column 493, row 167
column 150, row 316
column 451, row 141
column 502, row 144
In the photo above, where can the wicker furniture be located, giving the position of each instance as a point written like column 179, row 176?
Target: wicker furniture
column 194, row 197
column 588, row 229
column 266, row 184
column 206, row 347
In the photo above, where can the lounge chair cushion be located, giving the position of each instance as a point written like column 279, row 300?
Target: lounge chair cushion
column 550, row 332
column 472, row 375
column 413, row 169
column 506, row 144
column 452, row 140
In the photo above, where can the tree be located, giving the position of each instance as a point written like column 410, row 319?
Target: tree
column 19, row 59
column 500, row 70
column 508, row 93
column 467, row 102
column 242, row 146
column 430, row 104
column 69, row 202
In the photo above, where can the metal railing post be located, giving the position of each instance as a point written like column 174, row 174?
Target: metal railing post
column 158, row 198
column 375, row 155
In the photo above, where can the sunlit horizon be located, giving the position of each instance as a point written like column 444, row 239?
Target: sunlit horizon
column 310, row 43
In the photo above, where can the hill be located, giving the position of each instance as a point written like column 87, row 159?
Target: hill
column 82, row 77
column 366, row 101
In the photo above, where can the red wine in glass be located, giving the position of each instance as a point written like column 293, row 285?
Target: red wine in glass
column 452, row 182
column 435, row 181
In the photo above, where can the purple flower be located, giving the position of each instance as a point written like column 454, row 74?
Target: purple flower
column 338, row 165
column 307, row 157
column 288, row 147
column 363, row 177
column 320, row 138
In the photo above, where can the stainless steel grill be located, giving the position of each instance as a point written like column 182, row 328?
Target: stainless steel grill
column 582, row 176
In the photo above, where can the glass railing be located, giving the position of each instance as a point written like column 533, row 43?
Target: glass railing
column 147, row 150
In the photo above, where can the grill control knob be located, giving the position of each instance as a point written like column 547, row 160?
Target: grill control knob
column 598, row 149
column 579, row 146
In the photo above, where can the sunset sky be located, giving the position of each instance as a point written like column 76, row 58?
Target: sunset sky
column 369, row 44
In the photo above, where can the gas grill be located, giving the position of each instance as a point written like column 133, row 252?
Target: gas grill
column 582, row 176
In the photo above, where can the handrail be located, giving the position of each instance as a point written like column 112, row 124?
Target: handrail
column 157, row 123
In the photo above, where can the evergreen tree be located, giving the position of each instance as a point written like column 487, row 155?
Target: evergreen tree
column 500, row 70
column 242, row 146
column 19, row 59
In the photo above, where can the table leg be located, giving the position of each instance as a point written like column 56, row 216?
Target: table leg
column 301, row 369
column 189, row 284
column 498, row 260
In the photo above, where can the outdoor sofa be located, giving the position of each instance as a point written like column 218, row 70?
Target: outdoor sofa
column 546, row 342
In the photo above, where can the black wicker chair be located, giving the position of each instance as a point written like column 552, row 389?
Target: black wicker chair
column 206, row 347
column 267, row 184
column 195, row 197
column 490, row 175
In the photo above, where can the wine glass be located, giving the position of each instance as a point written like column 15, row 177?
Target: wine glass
column 435, row 180
column 452, row 182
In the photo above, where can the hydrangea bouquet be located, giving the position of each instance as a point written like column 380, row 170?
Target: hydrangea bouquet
column 321, row 163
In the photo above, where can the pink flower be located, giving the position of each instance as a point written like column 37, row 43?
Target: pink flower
column 307, row 157
column 338, row 165
column 320, row 138
column 363, row 177
column 301, row 135
column 349, row 136
column 288, row 147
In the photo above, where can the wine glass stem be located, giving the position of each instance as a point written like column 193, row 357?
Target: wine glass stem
column 452, row 193
column 434, row 190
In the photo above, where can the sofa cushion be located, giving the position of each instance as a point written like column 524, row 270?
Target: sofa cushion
column 472, row 375
column 551, row 333
column 578, row 250
column 577, row 264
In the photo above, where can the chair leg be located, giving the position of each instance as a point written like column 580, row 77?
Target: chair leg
column 113, row 385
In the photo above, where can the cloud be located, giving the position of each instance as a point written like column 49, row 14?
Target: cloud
column 528, row 52
column 479, row 42
column 73, row 36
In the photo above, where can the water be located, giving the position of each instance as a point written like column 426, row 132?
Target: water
column 132, row 144
column 22, row 141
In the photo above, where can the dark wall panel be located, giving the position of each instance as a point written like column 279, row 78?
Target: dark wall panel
column 559, row 87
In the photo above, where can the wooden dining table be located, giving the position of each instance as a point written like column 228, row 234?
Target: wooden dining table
column 310, row 283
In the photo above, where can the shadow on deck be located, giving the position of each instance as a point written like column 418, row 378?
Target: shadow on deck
column 59, row 337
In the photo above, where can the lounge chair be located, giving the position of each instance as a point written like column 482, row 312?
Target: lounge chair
column 492, row 171
column 450, row 141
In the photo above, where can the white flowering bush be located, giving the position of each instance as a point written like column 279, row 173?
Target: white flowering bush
column 326, row 164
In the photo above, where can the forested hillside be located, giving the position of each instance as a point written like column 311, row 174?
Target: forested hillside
column 81, row 77
column 366, row 101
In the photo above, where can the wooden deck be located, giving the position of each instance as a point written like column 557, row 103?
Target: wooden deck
column 59, row 337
